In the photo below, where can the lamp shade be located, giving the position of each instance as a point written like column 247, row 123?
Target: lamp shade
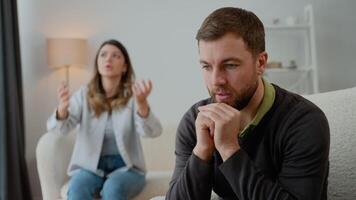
column 65, row 52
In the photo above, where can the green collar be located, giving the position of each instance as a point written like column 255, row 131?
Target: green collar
column 266, row 104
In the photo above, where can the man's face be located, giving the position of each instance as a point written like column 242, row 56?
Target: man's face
column 230, row 71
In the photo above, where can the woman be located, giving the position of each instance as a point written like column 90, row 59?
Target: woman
column 112, row 113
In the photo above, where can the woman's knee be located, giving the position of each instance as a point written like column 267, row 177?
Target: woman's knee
column 115, row 188
column 85, row 183
column 125, row 186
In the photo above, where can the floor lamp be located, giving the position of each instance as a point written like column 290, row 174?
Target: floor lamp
column 67, row 52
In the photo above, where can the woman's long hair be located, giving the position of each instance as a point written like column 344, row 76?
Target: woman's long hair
column 96, row 94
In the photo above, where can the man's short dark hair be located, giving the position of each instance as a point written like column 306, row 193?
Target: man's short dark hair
column 243, row 23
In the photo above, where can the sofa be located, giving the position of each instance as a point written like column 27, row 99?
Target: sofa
column 53, row 153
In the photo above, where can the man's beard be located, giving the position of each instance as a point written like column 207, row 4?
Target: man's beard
column 240, row 101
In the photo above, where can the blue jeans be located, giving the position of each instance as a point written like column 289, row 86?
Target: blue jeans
column 120, row 185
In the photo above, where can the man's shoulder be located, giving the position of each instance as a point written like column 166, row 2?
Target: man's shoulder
column 292, row 100
column 294, row 105
column 297, row 119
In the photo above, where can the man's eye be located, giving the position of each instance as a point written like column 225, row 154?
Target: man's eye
column 230, row 66
column 205, row 67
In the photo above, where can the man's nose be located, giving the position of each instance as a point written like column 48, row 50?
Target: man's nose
column 218, row 77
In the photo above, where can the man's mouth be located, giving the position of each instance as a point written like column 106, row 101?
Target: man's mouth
column 222, row 96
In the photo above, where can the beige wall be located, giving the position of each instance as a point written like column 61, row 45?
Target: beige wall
column 160, row 38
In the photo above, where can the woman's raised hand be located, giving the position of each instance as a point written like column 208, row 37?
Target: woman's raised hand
column 141, row 90
column 63, row 97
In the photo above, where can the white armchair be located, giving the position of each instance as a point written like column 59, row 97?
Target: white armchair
column 53, row 152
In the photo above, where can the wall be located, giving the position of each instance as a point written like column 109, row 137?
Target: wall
column 336, row 43
column 160, row 38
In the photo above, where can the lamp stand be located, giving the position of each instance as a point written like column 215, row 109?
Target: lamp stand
column 67, row 75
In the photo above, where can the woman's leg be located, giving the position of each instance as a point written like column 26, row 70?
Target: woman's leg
column 122, row 185
column 83, row 185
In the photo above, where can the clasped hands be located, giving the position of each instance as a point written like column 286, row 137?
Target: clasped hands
column 217, row 127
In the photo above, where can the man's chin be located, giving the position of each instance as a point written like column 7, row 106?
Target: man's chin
column 235, row 104
column 224, row 101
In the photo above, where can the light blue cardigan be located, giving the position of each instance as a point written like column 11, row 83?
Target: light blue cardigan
column 127, row 124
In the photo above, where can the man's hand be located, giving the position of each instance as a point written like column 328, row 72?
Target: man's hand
column 226, row 123
column 204, row 129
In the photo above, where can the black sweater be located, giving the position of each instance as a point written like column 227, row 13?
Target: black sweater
column 286, row 156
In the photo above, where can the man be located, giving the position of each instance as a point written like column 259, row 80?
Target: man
column 251, row 139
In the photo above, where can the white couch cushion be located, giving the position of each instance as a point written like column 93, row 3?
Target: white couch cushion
column 340, row 110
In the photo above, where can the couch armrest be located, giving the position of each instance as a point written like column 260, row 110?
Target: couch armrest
column 53, row 154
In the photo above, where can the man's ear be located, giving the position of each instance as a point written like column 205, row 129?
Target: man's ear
column 261, row 62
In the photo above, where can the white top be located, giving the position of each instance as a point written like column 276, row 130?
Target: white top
column 128, row 126
column 109, row 144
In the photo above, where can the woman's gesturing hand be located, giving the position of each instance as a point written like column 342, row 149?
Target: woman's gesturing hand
column 141, row 90
column 63, row 97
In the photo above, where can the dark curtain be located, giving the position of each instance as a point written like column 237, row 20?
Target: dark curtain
column 14, row 182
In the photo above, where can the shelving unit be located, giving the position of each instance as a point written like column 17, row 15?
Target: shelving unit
column 298, row 38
